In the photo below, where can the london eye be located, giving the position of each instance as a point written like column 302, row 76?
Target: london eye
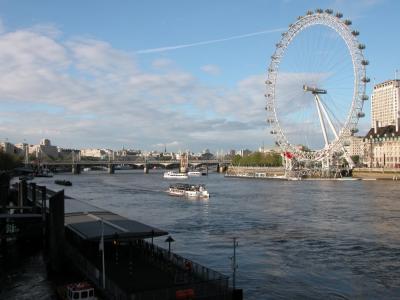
column 316, row 87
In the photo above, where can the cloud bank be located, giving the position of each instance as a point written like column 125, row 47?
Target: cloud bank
column 83, row 92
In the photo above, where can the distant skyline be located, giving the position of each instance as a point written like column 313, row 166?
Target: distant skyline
column 185, row 74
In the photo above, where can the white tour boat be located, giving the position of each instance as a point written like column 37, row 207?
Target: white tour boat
column 175, row 175
column 188, row 190
column 194, row 173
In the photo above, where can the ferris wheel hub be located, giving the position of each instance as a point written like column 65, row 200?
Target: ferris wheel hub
column 314, row 90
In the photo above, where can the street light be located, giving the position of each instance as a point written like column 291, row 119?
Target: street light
column 169, row 240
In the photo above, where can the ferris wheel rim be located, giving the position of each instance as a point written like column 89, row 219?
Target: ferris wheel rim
column 344, row 31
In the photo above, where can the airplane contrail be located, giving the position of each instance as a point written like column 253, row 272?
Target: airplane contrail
column 169, row 48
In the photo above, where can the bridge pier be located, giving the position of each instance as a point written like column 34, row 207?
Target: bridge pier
column 111, row 169
column 221, row 168
column 183, row 169
column 76, row 169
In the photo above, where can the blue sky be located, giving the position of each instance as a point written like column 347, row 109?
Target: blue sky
column 100, row 74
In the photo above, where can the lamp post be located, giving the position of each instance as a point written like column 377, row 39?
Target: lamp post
column 169, row 240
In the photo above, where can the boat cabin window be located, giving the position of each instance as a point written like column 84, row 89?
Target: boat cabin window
column 91, row 293
column 76, row 295
column 84, row 294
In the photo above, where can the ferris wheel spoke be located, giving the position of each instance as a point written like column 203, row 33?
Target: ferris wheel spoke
column 321, row 120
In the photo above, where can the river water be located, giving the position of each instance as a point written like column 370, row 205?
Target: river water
column 297, row 239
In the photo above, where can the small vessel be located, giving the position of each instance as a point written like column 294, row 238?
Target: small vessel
column 63, row 182
column 86, row 169
column 78, row 291
column 44, row 173
column 175, row 175
column 188, row 190
column 194, row 173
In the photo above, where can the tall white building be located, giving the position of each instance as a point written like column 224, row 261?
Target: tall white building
column 96, row 153
column 382, row 142
column 7, row 147
column 44, row 149
column 385, row 104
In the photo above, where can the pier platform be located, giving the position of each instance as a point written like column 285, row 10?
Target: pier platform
column 134, row 267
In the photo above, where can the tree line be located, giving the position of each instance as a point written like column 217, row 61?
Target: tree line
column 9, row 161
column 258, row 159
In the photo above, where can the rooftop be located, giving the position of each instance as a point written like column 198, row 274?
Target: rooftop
column 386, row 83
column 86, row 220
column 381, row 131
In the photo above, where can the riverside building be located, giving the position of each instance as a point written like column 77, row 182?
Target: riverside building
column 45, row 148
column 385, row 104
column 382, row 142
column 7, row 147
column 356, row 147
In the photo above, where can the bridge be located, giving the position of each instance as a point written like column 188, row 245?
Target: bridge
column 146, row 164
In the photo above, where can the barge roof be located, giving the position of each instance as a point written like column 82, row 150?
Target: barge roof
column 85, row 220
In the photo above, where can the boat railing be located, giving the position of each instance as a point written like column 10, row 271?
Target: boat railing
column 201, row 272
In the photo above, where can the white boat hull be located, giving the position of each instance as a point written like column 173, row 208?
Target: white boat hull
column 173, row 175
column 188, row 191
column 194, row 174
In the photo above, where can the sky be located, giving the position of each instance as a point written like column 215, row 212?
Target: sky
column 188, row 75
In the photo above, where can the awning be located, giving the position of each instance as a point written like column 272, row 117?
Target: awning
column 88, row 225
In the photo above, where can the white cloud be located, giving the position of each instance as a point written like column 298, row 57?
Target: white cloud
column 211, row 69
column 84, row 92
column 161, row 63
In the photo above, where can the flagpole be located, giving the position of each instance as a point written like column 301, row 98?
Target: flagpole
column 102, row 254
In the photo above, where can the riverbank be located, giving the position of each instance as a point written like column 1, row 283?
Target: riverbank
column 279, row 173
column 377, row 173
column 255, row 172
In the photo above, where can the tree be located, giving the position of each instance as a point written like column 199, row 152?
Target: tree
column 258, row 159
column 356, row 159
column 9, row 161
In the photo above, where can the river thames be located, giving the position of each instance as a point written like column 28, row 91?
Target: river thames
column 297, row 239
